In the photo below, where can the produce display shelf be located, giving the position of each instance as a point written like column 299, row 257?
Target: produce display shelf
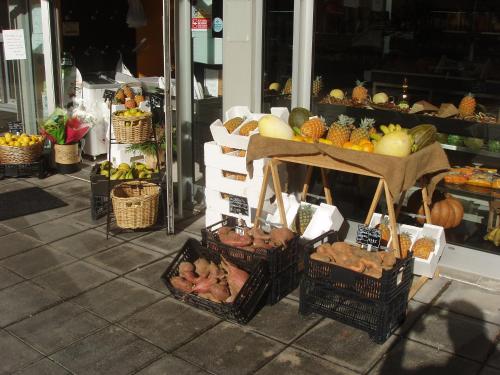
column 482, row 152
column 472, row 191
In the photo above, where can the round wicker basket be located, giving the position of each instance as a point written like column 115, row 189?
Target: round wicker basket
column 132, row 129
column 135, row 204
column 67, row 154
column 20, row 155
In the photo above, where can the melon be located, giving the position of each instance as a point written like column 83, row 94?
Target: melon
column 298, row 116
column 274, row 127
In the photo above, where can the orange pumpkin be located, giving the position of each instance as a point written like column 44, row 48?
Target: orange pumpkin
column 446, row 211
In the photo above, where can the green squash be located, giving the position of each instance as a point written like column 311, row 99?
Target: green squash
column 423, row 135
column 493, row 146
column 455, row 140
column 298, row 116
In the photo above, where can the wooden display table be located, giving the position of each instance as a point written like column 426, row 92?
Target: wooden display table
column 331, row 158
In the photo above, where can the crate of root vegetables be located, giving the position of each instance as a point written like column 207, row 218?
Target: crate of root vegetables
column 206, row 280
column 377, row 275
column 278, row 248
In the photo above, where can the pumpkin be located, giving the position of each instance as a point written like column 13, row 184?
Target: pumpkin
column 446, row 211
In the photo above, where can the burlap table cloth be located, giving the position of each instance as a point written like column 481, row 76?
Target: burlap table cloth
column 399, row 173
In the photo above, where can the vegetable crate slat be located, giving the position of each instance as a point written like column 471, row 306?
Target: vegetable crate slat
column 383, row 289
column 247, row 301
column 378, row 319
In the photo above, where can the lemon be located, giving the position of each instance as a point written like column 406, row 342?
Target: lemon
column 31, row 143
column 11, row 143
column 8, row 137
column 17, row 144
column 3, row 142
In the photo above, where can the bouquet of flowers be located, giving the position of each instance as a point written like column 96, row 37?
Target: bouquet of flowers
column 63, row 130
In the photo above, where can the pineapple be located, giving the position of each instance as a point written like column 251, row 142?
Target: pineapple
column 120, row 96
column 340, row 131
column 287, row 90
column 423, row 247
column 404, row 243
column 139, row 99
column 128, row 91
column 313, row 128
column 385, row 231
column 304, row 216
column 359, row 93
column 467, row 106
column 317, row 85
column 233, row 123
column 364, row 130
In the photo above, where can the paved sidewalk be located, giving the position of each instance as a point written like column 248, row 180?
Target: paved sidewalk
column 72, row 302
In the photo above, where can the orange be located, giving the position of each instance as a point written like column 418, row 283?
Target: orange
column 348, row 145
column 357, row 148
column 325, row 141
column 364, row 142
column 367, row 147
column 298, row 138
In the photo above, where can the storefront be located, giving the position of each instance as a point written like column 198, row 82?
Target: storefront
column 295, row 53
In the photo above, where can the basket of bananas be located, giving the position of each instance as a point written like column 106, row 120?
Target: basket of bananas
column 20, row 149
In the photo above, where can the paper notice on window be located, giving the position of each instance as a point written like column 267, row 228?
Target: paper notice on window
column 13, row 44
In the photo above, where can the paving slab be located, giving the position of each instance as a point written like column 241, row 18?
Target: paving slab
column 288, row 326
column 55, row 179
column 13, row 186
column 489, row 283
column 455, row 333
column 230, row 349
column 43, row 367
column 159, row 241
column 458, row 275
column 124, row 234
column 84, row 217
column 489, row 371
column 15, row 243
column 169, row 323
column 117, row 299
column 295, row 295
column 109, row 351
column 54, row 230
column 73, row 279
column 431, row 289
column 297, row 362
column 8, row 278
column 414, row 312
column 14, row 354
column 36, row 261
column 472, row 301
column 169, row 364
column 85, row 243
column 494, row 359
column 342, row 344
column 150, row 275
column 57, row 327
column 192, row 225
column 5, row 230
column 22, row 300
column 410, row 357
column 124, row 258
column 71, row 187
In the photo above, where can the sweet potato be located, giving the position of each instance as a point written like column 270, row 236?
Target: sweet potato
column 189, row 276
column 281, row 236
column 203, row 285
column 236, row 277
column 201, row 266
column 219, row 291
column 258, row 233
column 182, row 284
column 320, row 257
column 186, row 267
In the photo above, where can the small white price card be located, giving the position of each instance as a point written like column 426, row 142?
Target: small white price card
column 13, row 44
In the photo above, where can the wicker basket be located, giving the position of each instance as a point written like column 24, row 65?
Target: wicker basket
column 132, row 129
column 67, row 154
column 20, row 155
column 135, row 204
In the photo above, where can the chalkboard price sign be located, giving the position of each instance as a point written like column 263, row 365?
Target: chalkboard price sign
column 238, row 205
column 16, row 127
column 108, row 95
column 368, row 236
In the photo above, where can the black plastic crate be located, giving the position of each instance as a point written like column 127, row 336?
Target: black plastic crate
column 38, row 169
column 387, row 287
column 245, row 305
column 378, row 319
column 98, row 206
column 283, row 283
column 277, row 259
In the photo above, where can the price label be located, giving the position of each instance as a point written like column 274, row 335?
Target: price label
column 156, row 100
column 368, row 236
column 108, row 95
column 238, row 205
column 16, row 127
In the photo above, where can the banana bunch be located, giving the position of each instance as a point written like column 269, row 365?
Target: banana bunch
column 493, row 236
column 125, row 171
column 391, row 128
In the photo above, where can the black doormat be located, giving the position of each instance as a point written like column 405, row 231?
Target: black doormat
column 27, row 201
